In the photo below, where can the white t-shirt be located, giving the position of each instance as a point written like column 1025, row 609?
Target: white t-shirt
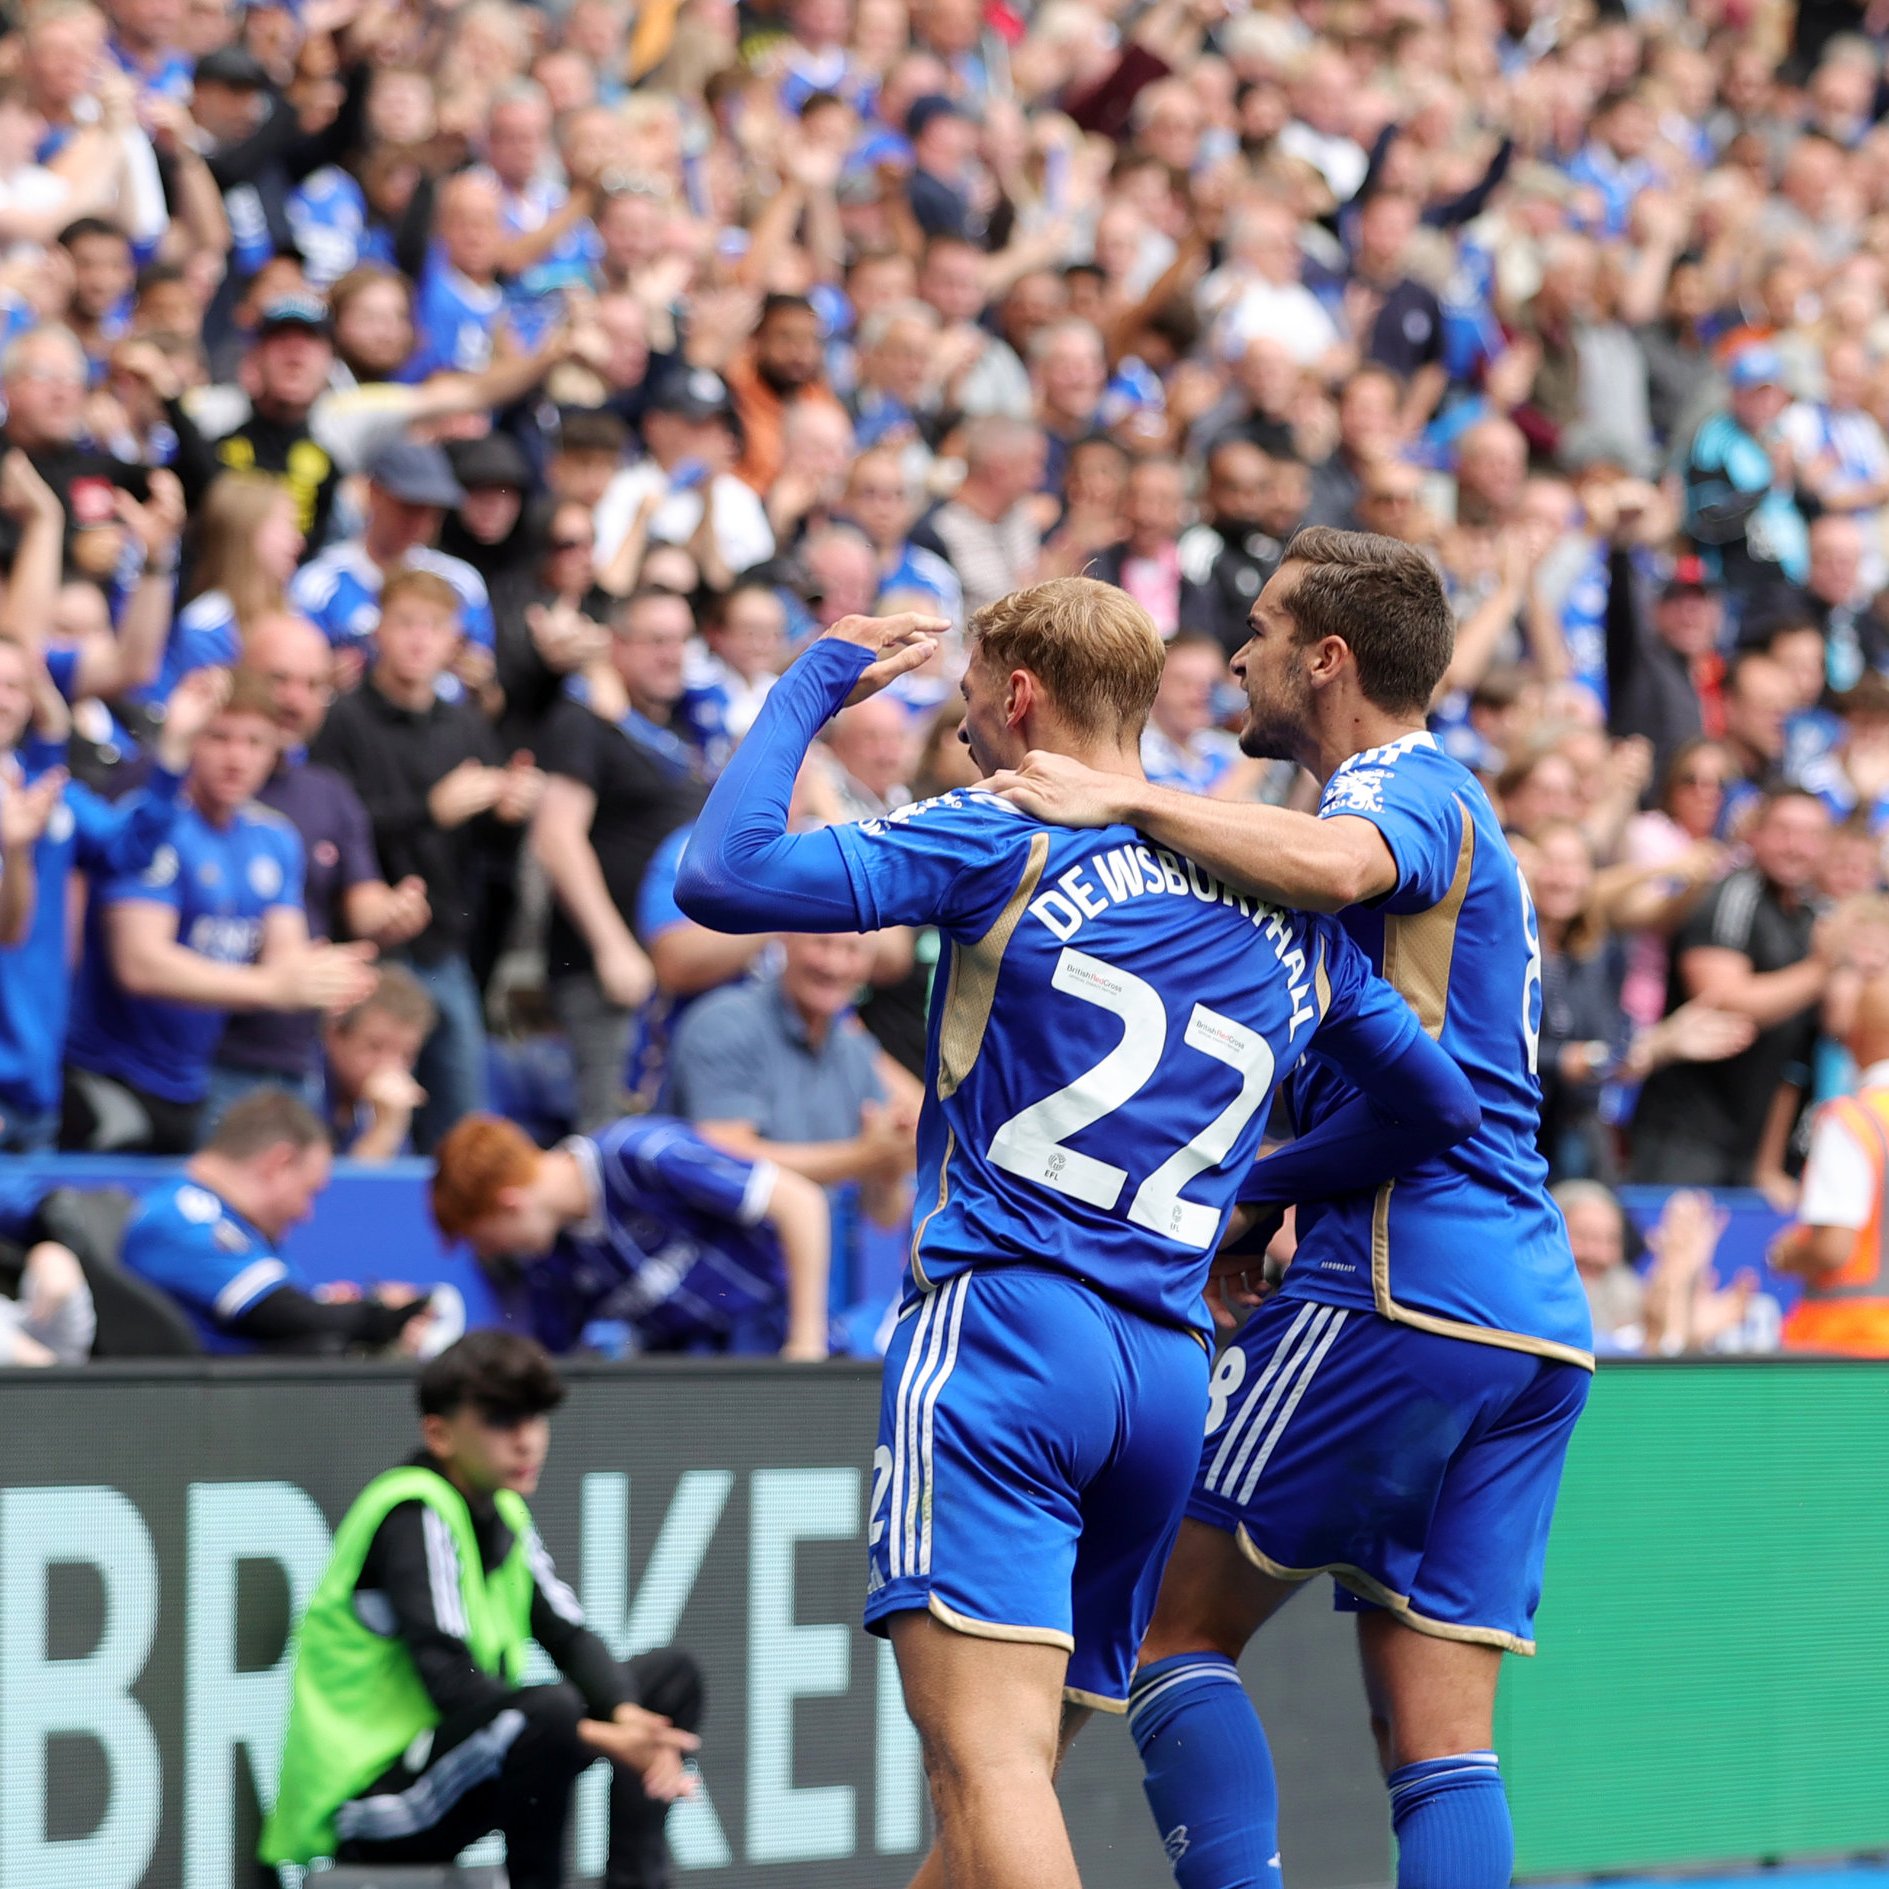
column 1841, row 1178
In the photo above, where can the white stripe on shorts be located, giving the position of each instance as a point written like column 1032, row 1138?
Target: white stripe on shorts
column 1291, row 1404
column 1281, row 1354
column 896, row 1504
column 931, row 1407
column 911, row 1431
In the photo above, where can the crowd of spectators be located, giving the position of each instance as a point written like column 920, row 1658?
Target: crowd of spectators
column 429, row 428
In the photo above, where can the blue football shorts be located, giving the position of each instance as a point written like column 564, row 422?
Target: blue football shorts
column 1419, row 1471
column 1036, row 1444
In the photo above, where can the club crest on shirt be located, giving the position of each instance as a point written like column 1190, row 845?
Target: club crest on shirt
column 198, row 1205
column 265, row 877
column 1361, row 790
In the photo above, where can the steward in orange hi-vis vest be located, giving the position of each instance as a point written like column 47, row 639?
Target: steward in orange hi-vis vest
column 1838, row 1245
column 1847, row 1309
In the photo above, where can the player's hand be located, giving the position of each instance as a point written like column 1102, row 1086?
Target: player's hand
column 1064, row 792
column 901, row 643
column 1235, row 1287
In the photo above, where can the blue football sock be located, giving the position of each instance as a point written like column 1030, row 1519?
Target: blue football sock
column 1208, row 1772
column 1452, row 1823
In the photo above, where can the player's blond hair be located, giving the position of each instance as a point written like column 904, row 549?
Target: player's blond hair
column 1093, row 647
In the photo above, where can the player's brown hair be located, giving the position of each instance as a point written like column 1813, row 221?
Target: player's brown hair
column 1383, row 599
column 481, row 1156
column 1094, row 649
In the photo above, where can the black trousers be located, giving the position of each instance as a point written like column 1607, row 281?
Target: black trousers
column 512, row 1767
column 103, row 1115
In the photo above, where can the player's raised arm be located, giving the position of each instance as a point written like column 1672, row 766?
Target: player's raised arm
column 743, row 871
column 1413, row 1101
column 1296, row 859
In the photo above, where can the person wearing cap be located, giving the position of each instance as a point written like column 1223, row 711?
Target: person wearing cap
column 688, row 428
column 410, row 490
column 485, row 530
column 1665, row 676
column 1741, row 484
column 288, row 368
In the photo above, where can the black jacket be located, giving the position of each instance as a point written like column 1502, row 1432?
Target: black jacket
column 393, row 758
column 408, row 1564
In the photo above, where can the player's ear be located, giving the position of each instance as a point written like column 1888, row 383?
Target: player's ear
column 1327, row 661
column 1021, row 694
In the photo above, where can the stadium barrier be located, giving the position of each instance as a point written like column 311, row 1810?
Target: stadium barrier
column 372, row 1225
column 161, row 1524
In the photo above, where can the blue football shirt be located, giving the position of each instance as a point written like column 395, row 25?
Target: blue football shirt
column 222, row 882
column 86, row 833
column 1468, row 1242
column 340, row 593
column 455, row 320
column 1112, row 1023
column 201, row 1251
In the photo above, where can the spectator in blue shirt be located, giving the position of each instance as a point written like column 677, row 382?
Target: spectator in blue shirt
column 410, row 489
column 213, row 924
column 461, row 305
column 550, row 243
column 81, row 832
column 211, row 1240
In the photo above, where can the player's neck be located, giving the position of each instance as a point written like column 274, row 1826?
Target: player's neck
column 1100, row 755
column 1354, row 728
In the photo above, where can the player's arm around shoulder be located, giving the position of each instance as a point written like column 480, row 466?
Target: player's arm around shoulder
column 1307, row 861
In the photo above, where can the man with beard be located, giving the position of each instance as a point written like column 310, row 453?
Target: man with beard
column 782, row 369
column 1453, row 1294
